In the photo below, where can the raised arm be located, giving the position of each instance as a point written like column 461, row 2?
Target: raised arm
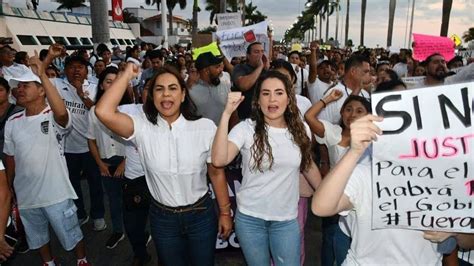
column 329, row 198
column 55, row 101
column 313, row 62
column 106, row 109
column 224, row 151
column 245, row 83
column 311, row 116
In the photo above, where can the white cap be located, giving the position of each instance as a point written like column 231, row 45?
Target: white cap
column 26, row 76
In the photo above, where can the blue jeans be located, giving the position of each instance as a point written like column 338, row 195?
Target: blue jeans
column 113, row 188
column 335, row 244
column 185, row 238
column 78, row 163
column 260, row 239
column 135, row 223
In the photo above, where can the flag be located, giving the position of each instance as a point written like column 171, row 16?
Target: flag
column 117, row 13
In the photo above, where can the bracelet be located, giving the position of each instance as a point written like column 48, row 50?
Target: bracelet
column 225, row 206
column 225, row 214
column 323, row 103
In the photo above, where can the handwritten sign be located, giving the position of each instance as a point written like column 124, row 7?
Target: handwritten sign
column 423, row 167
column 414, row 82
column 213, row 48
column 426, row 45
column 229, row 21
column 233, row 41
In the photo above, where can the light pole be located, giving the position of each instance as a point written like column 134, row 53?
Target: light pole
column 411, row 23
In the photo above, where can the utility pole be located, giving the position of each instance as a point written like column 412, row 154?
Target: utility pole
column 411, row 23
column 100, row 22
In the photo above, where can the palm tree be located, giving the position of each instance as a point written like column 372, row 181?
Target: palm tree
column 100, row 21
column 362, row 20
column 347, row 22
column 468, row 35
column 70, row 4
column 171, row 4
column 447, row 5
column 252, row 15
column 213, row 6
column 391, row 17
column 194, row 21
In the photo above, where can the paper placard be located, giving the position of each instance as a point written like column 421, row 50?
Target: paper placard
column 423, row 167
column 227, row 21
column 413, row 82
column 426, row 45
column 213, row 48
column 233, row 41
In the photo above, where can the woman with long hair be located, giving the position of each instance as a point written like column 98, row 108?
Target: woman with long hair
column 174, row 146
column 275, row 147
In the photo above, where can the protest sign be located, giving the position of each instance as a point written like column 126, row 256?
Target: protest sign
column 234, row 42
column 227, row 21
column 456, row 39
column 423, row 167
column 465, row 54
column 413, row 82
column 201, row 40
column 426, row 45
column 213, row 48
column 296, row 47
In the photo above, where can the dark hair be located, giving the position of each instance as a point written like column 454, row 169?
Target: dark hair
column 154, row 54
column 20, row 56
column 356, row 98
column 430, row 57
column 392, row 74
column 325, row 62
column 249, row 48
column 261, row 149
column 380, row 64
column 280, row 63
column 4, row 83
column 110, row 70
column 355, row 61
column 101, row 48
column 455, row 59
column 294, row 52
column 187, row 108
column 43, row 53
column 389, row 85
column 131, row 50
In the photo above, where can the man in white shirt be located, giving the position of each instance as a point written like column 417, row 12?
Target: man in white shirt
column 79, row 95
column 437, row 72
column 301, row 73
column 317, row 89
column 9, row 68
column 36, row 166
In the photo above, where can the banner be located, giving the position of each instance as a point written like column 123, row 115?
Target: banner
column 413, row 82
column 117, row 12
column 423, row 166
column 226, row 21
column 234, row 42
column 426, row 45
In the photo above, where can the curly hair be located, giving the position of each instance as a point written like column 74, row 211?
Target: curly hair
column 261, row 149
column 187, row 108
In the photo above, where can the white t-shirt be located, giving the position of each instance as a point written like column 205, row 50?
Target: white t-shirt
column 133, row 165
column 37, row 144
column 384, row 246
column 175, row 158
column 332, row 111
column 273, row 194
column 299, row 88
column 108, row 143
column 303, row 104
column 76, row 141
column 14, row 71
column 316, row 90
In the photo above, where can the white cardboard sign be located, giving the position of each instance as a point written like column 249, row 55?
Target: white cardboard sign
column 229, row 21
column 423, row 164
column 234, row 42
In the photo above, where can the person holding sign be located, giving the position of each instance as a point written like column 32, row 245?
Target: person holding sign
column 347, row 187
column 174, row 146
column 275, row 148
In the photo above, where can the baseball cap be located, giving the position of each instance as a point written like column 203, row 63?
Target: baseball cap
column 207, row 59
column 76, row 58
column 26, row 76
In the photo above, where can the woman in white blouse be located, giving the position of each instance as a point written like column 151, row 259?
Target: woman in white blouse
column 174, row 147
column 275, row 146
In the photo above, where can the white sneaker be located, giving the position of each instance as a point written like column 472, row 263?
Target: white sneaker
column 99, row 224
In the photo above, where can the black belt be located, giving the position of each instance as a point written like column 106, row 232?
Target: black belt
column 181, row 209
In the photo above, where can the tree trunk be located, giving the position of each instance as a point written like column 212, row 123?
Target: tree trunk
column 362, row 20
column 170, row 12
column 320, row 27
column 195, row 19
column 327, row 24
column 222, row 6
column 99, row 21
column 346, row 37
column 391, row 17
column 447, row 5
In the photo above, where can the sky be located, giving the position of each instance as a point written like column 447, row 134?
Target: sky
column 283, row 13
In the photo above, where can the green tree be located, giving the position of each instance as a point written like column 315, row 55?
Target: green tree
column 171, row 4
column 70, row 4
column 447, row 5
column 468, row 35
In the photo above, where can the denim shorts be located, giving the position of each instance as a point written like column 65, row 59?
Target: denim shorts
column 63, row 219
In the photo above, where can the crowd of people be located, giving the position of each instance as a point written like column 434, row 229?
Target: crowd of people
column 151, row 129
